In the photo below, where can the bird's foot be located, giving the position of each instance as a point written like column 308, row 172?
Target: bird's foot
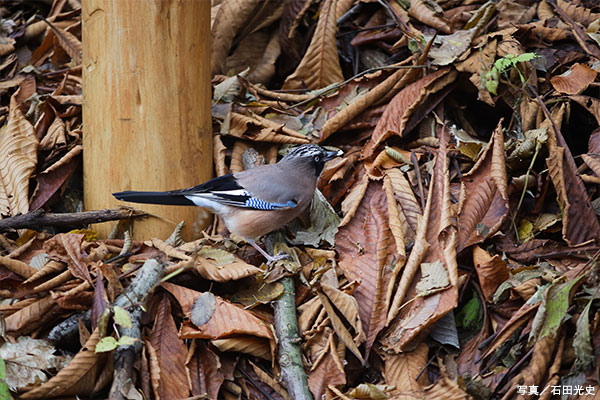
column 270, row 259
column 277, row 257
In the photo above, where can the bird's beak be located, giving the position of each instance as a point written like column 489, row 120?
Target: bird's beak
column 330, row 155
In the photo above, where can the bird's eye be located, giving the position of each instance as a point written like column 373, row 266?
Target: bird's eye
column 317, row 158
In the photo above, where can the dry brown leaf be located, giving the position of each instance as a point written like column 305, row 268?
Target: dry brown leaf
column 347, row 303
column 263, row 130
column 362, row 102
column 51, row 267
column 18, row 267
column 18, row 158
column 399, row 110
column 491, row 271
column 412, row 265
column 292, row 15
column 78, row 378
column 204, row 372
column 262, row 68
column 11, row 308
column 580, row 223
column 100, row 303
column 7, row 46
column 55, row 136
column 169, row 250
column 66, row 247
column 592, row 161
column 440, row 234
column 219, row 154
column 543, row 352
column 252, row 345
column 211, row 270
column 553, row 371
column 44, row 50
column 266, row 14
column 397, row 223
column 30, row 318
column 404, row 371
column 320, row 66
column 522, row 316
column 269, row 380
column 549, row 34
column 171, row 354
column 353, row 199
column 577, row 12
column 421, row 12
column 230, row 19
column 315, row 345
column 154, row 369
column 76, row 150
column 307, row 313
column 483, row 204
column 446, row 389
column 575, row 80
column 329, row 370
column 384, row 161
column 374, row 32
column 70, row 44
column 50, row 284
column 410, row 209
column 366, row 249
column 227, row 319
column 510, row 13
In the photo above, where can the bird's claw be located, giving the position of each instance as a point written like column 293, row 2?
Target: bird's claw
column 277, row 257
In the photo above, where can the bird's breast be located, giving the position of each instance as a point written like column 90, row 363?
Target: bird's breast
column 254, row 223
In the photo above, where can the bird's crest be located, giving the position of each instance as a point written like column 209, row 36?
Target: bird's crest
column 306, row 150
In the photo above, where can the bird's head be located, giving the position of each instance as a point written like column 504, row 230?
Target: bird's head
column 312, row 156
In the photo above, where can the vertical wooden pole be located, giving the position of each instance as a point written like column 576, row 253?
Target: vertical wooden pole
column 146, row 114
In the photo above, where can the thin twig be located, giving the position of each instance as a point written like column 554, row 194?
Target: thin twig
column 333, row 88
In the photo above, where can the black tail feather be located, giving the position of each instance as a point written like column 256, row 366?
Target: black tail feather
column 166, row 198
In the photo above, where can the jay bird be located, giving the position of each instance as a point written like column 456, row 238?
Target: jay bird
column 254, row 202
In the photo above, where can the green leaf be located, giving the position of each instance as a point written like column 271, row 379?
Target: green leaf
column 122, row 317
column 524, row 57
column 469, row 315
column 4, row 392
column 2, row 369
column 126, row 341
column 490, row 79
column 557, row 305
column 105, row 344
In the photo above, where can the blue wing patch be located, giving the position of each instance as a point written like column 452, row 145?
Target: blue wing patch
column 259, row 204
column 226, row 191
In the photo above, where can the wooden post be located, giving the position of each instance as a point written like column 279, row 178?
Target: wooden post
column 146, row 113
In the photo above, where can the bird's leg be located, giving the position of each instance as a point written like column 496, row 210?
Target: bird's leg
column 270, row 259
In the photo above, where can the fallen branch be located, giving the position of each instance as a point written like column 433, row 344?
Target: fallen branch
column 290, row 354
column 286, row 328
column 124, row 357
column 38, row 219
column 145, row 280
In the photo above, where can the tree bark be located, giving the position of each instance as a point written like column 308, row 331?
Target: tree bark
column 146, row 114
